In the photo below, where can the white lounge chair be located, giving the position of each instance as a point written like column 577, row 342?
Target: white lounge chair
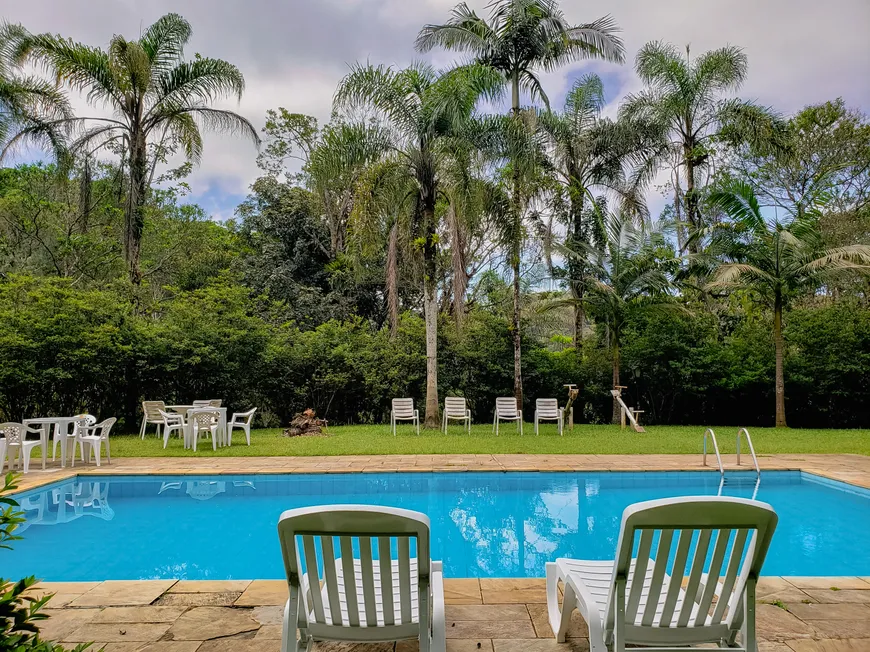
column 385, row 594
column 547, row 409
column 403, row 410
column 240, row 420
column 17, row 443
column 506, row 410
column 635, row 600
column 151, row 414
column 455, row 408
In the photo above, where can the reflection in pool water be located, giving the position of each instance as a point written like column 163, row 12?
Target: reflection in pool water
column 483, row 524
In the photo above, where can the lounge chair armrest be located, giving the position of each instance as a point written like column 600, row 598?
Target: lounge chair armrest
column 438, row 625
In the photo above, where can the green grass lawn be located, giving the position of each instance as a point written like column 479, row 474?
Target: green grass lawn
column 377, row 440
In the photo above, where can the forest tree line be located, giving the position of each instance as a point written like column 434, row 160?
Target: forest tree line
column 416, row 245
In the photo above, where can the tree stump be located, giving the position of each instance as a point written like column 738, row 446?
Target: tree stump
column 305, row 424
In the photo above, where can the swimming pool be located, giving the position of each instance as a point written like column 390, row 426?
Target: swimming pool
column 483, row 524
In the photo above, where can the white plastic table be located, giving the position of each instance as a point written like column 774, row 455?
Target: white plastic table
column 61, row 428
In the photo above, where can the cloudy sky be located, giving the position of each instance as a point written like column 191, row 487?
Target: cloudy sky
column 293, row 53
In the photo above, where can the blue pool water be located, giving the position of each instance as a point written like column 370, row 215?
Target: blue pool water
column 483, row 524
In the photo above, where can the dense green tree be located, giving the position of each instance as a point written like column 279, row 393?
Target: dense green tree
column 521, row 38
column 778, row 260
column 423, row 111
column 155, row 94
column 629, row 275
column 685, row 97
column 32, row 110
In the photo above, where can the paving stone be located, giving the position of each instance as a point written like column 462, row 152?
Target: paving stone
column 453, row 645
column 115, row 646
column 123, row 593
column 169, row 646
column 772, row 646
column 841, row 628
column 775, row 624
column 203, row 623
column 269, row 633
column 844, row 611
column 462, row 591
column 198, row 599
column 264, row 592
column 235, row 644
column 827, row 582
column 270, row 615
column 138, row 615
column 513, row 591
column 831, row 645
column 62, row 622
column 343, row 647
column 491, row 628
column 485, row 612
column 118, row 632
column 63, row 592
column 541, row 645
column 209, row 586
column 541, row 621
column 842, row 596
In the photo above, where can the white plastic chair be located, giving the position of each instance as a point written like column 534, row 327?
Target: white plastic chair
column 80, row 425
column 94, row 437
column 383, row 594
column 204, row 421
column 151, row 414
column 506, row 410
column 547, row 409
column 636, row 600
column 212, row 402
column 456, row 408
column 16, row 442
column 403, row 410
column 2, row 452
column 171, row 421
column 241, row 420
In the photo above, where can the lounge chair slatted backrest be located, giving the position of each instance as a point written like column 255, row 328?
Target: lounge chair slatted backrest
column 724, row 542
column 360, row 573
column 684, row 574
column 455, row 407
column 403, row 408
column 547, row 408
column 506, row 407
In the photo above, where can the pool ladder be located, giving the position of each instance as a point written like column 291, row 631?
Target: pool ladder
column 742, row 433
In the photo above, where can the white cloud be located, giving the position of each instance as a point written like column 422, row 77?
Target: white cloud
column 293, row 53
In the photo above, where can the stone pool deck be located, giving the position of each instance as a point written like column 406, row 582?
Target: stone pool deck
column 810, row 614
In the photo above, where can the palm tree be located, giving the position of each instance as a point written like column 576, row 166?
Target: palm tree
column 31, row 110
column 522, row 37
column 684, row 97
column 626, row 277
column 776, row 261
column 424, row 111
column 155, row 95
column 592, row 154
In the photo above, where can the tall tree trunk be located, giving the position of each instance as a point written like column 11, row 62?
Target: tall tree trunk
column 576, row 267
column 460, row 275
column 85, row 194
column 616, row 407
column 392, row 280
column 678, row 212
column 516, row 251
column 691, row 201
column 515, row 328
column 779, row 345
column 135, row 213
column 430, row 313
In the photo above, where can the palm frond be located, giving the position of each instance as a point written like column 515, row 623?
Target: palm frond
column 199, row 81
column 164, row 42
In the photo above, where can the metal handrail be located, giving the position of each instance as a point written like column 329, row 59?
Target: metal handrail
column 715, row 448
column 745, row 432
